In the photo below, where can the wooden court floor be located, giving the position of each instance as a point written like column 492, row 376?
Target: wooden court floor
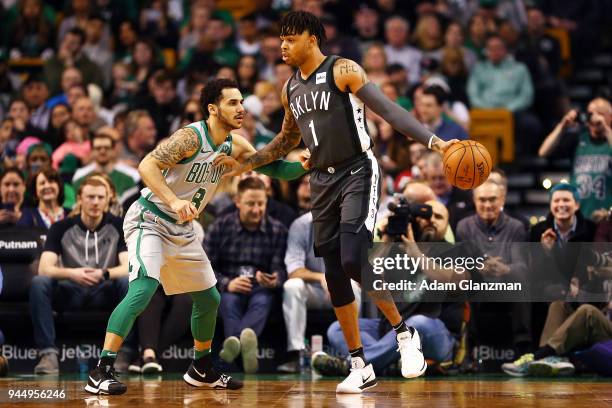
column 304, row 392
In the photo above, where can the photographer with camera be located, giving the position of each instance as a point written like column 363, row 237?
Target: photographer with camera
column 587, row 136
column 435, row 322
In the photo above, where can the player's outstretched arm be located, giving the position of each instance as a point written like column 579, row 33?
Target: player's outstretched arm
column 182, row 144
column 242, row 150
column 287, row 139
column 350, row 77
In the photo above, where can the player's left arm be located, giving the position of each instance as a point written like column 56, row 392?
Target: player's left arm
column 350, row 77
column 242, row 150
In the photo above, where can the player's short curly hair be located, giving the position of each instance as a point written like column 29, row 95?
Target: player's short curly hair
column 296, row 22
column 211, row 93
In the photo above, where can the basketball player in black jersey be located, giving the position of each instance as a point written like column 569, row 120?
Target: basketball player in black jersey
column 325, row 105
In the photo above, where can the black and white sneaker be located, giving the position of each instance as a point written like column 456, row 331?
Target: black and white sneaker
column 102, row 381
column 210, row 379
column 151, row 366
column 411, row 353
column 359, row 380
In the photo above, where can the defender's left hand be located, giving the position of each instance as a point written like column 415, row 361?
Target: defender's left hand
column 232, row 166
column 305, row 159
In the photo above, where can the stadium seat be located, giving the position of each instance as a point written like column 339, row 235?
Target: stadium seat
column 563, row 37
column 169, row 56
column 494, row 128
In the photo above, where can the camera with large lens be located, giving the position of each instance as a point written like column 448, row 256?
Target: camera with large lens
column 404, row 213
column 583, row 118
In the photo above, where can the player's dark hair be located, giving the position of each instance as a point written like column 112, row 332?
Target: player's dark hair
column 251, row 183
column 212, row 91
column 296, row 22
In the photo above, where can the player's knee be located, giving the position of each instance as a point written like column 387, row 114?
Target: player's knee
column 140, row 293
column 207, row 300
column 351, row 265
column 353, row 253
column 340, row 296
column 214, row 298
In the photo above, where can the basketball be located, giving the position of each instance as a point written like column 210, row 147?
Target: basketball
column 467, row 164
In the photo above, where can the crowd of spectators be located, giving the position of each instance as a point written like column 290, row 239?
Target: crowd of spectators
column 104, row 81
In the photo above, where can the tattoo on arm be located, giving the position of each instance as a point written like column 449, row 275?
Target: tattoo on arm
column 347, row 66
column 349, row 75
column 287, row 139
column 180, row 145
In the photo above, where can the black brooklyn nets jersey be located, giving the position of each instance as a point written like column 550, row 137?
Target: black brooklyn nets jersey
column 332, row 122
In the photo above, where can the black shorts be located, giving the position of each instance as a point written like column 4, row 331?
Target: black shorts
column 344, row 199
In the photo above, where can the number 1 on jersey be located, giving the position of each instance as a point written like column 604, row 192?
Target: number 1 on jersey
column 314, row 134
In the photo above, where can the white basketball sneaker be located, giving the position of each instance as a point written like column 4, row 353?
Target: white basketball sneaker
column 360, row 379
column 411, row 352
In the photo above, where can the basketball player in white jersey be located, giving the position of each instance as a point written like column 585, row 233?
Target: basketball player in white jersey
column 181, row 177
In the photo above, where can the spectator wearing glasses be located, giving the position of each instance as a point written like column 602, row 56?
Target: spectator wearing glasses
column 125, row 179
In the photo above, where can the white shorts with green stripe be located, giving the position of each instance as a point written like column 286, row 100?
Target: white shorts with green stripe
column 168, row 252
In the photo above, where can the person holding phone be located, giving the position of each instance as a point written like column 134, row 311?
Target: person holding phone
column 246, row 248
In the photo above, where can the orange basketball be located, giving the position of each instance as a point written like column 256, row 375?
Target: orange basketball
column 467, row 164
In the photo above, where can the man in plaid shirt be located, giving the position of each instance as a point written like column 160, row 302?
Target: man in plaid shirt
column 246, row 249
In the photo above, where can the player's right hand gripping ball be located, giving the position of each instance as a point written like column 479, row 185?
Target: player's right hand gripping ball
column 467, row 164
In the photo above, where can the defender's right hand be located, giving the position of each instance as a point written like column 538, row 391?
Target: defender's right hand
column 185, row 210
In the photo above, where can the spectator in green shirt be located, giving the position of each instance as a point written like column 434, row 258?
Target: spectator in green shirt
column 124, row 178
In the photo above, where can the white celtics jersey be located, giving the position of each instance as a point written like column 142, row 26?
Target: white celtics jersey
column 195, row 178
